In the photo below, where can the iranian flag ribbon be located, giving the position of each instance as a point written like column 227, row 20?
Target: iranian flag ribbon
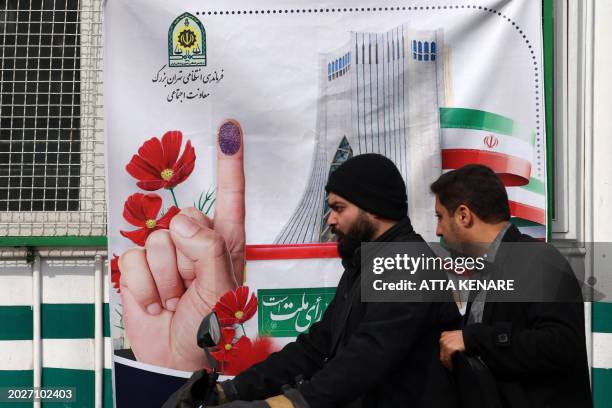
column 528, row 202
column 471, row 136
column 475, row 136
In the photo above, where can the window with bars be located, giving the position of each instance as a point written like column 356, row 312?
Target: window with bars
column 40, row 106
column 51, row 144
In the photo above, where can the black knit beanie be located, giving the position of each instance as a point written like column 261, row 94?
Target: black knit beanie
column 373, row 183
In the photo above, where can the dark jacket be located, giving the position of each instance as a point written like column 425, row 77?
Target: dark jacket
column 364, row 354
column 536, row 351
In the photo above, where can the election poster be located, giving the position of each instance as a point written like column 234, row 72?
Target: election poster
column 235, row 113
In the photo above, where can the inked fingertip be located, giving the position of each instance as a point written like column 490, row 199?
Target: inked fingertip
column 229, row 137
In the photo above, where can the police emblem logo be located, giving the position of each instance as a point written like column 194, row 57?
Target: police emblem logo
column 186, row 42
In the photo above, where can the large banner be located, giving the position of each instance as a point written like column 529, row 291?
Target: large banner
column 240, row 110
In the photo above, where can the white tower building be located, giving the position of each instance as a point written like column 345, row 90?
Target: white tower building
column 379, row 93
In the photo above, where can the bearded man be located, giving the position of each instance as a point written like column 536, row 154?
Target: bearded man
column 379, row 354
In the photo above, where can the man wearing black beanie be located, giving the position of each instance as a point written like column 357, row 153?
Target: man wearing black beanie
column 372, row 183
column 371, row 355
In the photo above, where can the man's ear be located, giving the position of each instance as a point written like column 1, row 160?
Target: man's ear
column 464, row 216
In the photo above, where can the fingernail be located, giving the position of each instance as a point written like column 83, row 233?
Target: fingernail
column 171, row 304
column 229, row 138
column 184, row 226
column 154, row 309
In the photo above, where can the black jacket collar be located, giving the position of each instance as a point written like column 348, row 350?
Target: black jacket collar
column 512, row 235
column 400, row 231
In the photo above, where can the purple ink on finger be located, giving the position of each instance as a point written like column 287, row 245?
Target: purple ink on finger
column 229, row 138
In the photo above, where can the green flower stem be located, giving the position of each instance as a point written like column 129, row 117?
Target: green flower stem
column 174, row 197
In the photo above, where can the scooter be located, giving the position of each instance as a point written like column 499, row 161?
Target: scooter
column 209, row 335
column 199, row 390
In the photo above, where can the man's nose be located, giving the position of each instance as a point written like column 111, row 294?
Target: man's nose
column 331, row 219
column 438, row 231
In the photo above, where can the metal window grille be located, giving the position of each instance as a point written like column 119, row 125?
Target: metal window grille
column 51, row 134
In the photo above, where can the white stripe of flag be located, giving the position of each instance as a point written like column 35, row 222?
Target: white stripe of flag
column 454, row 138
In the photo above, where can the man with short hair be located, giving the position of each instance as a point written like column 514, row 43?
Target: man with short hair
column 360, row 354
column 535, row 350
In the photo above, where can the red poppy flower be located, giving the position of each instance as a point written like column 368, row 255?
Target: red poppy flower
column 254, row 352
column 115, row 273
column 233, row 307
column 141, row 211
column 228, row 350
column 156, row 165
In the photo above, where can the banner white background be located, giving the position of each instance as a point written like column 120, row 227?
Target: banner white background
column 270, row 66
column 269, row 62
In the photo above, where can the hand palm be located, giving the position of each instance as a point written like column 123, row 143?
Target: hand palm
column 208, row 264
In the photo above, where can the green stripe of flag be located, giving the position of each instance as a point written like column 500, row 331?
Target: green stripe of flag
column 59, row 321
column 462, row 118
column 602, row 317
column 82, row 380
column 535, row 186
column 602, row 387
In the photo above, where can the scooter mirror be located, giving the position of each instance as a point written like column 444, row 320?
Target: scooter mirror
column 209, row 332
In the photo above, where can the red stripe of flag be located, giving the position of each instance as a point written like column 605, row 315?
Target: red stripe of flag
column 291, row 251
column 513, row 171
column 527, row 212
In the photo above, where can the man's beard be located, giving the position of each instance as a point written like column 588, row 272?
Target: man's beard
column 362, row 230
column 458, row 246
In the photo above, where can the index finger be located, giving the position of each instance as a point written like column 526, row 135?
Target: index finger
column 229, row 207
